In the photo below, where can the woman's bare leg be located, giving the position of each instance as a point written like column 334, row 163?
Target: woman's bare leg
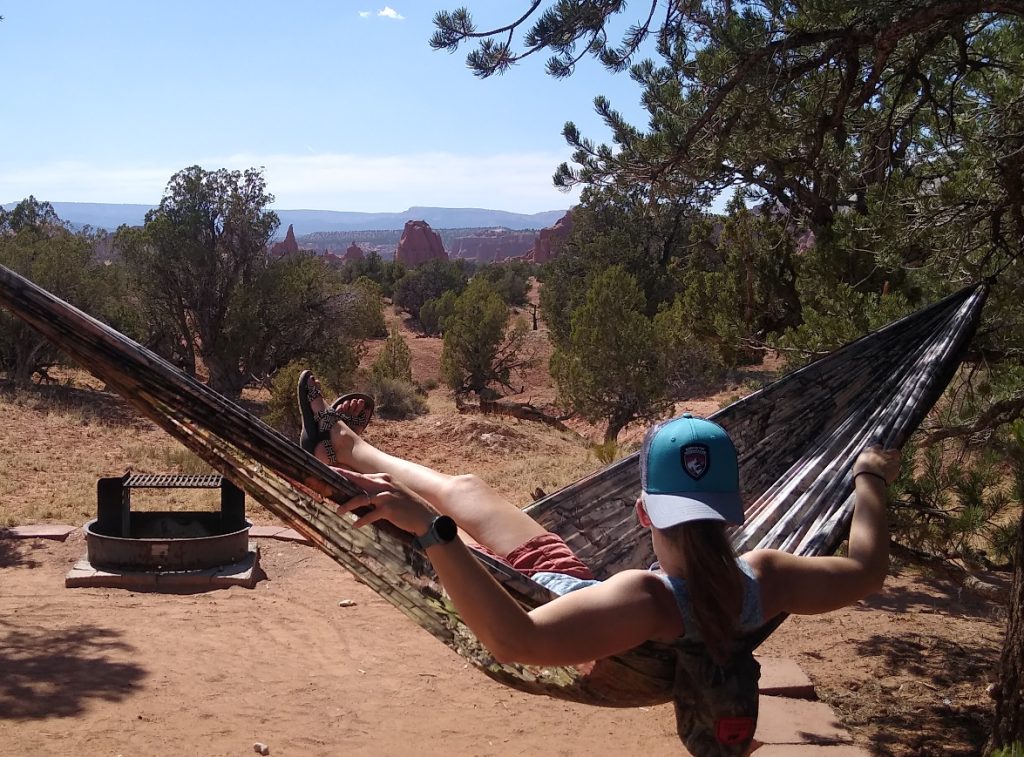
column 489, row 518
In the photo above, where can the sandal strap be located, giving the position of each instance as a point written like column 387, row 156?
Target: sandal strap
column 353, row 420
column 313, row 391
column 326, row 418
column 362, row 420
column 329, row 449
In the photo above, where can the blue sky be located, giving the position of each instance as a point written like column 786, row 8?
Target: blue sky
column 343, row 103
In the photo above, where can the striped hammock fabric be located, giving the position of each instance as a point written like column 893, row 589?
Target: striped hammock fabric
column 797, row 439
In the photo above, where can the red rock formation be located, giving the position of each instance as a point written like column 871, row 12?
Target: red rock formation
column 493, row 245
column 354, row 252
column 419, row 243
column 288, row 247
column 550, row 240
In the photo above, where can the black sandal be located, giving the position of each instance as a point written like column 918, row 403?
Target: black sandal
column 316, row 427
column 357, row 423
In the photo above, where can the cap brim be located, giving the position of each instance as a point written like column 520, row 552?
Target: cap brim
column 667, row 510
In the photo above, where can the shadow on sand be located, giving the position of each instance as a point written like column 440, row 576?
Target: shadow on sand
column 948, row 712
column 54, row 674
column 93, row 405
column 941, row 666
column 941, row 595
column 16, row 553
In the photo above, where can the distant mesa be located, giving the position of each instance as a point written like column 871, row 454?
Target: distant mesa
column 419, row 244
column 288, row 247
column 110, row 216
column 550, row 240
column 354, row 252
column 493, row 245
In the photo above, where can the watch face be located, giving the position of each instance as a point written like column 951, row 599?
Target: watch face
column 445, row 528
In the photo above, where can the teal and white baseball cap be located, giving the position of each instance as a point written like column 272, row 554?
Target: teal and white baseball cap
column 689, row 471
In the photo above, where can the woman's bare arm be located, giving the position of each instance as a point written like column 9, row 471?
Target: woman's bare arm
column 811, row 585
column 584, row 625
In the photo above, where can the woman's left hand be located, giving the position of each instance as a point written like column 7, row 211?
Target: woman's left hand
column 387, row 500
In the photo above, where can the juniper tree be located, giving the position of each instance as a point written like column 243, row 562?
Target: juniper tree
column 200, row 271
column 428, row 282
column 394, row 361
column 891, row 132
column 611, row 369
column 481, row 351
column 37, row 244
column 434, row 312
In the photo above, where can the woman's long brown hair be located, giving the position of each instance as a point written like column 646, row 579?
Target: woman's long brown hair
column 714, row 580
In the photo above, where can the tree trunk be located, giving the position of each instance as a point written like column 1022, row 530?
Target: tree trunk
column 225, row 378
column 26, row 359
column 611, row 434
column 21, row 374
column 522, row 411
column 748, row 289
column 1009, row 694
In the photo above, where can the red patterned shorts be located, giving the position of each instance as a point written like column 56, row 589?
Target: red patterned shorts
column 547, row 553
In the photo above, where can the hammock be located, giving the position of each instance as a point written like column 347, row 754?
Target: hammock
column 797, row 439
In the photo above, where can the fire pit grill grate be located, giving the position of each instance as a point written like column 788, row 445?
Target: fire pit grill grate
column 165, row 481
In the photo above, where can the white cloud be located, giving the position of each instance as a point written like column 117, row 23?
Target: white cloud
column 77, row 181
column 519, row 182
column 364, row 14
column 389, row 12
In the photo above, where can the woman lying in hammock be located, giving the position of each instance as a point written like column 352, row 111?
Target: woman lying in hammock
column 689, row 494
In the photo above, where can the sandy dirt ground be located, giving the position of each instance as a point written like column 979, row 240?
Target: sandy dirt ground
column 114, row 672
column 108, row 672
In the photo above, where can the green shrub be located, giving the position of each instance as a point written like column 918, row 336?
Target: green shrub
column 366, row 310
column 397, row 400
column 373, row 268
column 610, row 369
column 434, row 313
column 394, row 361
column 480, row 350
column 35, row 243
column 693, row 364
column 428, row 282
column 511, row 280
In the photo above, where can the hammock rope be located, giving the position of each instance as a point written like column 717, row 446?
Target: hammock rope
column 797, row 439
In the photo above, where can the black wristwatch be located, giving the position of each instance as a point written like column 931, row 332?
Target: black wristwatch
column 442, row 531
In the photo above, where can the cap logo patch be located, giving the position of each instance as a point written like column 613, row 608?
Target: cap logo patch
column 696, row 460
